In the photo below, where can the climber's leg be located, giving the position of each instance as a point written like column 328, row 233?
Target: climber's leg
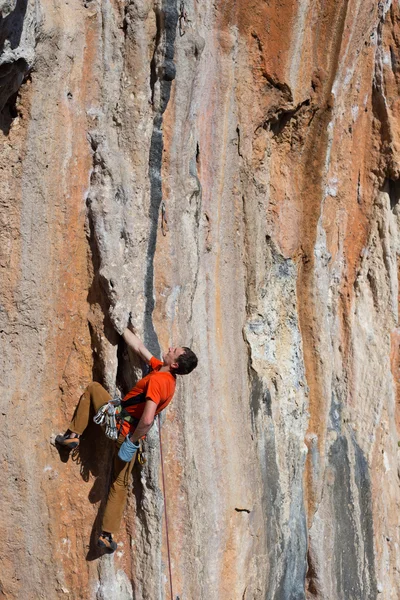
column 118, row 492
column 94, row 395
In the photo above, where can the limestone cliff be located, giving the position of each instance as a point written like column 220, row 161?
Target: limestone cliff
column 229, row 173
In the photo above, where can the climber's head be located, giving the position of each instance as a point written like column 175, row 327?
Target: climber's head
column 181, row 360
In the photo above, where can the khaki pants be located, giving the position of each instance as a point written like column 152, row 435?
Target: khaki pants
column 95, row 395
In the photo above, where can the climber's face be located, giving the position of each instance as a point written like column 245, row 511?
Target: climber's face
column 172, row 355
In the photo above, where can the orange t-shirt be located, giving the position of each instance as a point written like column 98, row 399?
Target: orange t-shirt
column 158, row 387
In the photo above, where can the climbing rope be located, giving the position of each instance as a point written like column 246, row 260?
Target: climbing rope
column 165, row 508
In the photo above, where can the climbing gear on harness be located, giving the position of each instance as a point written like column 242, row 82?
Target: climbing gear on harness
column 106, row 415
column 112, row 414
column 67, row 441
column 142, row 460
column 165, row 507
column 106, row 542
column 124, row 415
column 128, row 450
column 100, row 416
column 111, row 430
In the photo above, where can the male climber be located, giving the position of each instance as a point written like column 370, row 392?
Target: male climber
column 146, row 399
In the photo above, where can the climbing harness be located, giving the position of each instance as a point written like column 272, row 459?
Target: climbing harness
column 165, row 508
column 113, row 414
column 164, row 222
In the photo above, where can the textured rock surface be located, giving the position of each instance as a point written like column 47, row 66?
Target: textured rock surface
column 267, row 135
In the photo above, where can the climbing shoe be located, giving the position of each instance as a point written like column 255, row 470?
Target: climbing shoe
column 106, row 542
column 67, row 442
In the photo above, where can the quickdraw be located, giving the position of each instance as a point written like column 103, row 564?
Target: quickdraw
column 141, row 458
column 164, row 221
column 106, row 416
column 183, row 19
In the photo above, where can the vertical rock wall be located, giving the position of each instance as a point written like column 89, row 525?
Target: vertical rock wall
column 229, row 174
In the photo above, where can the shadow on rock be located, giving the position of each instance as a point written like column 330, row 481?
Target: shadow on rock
column 11, row 26
column 94, row 551
column 93, row 455
column 13, row 65
column 94, row 458
column 63, row 452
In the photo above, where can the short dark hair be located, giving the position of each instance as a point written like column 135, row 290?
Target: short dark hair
column 186, row 362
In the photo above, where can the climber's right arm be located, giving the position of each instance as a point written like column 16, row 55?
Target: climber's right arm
column 136, row 345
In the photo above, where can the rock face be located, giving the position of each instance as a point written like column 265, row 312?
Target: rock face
column 229, row 173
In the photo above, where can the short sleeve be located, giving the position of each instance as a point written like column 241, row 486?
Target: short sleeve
column 154, row 390
column 155, row 364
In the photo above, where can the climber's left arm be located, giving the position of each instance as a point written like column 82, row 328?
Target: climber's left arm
column 136, row 344
column 145, row 422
